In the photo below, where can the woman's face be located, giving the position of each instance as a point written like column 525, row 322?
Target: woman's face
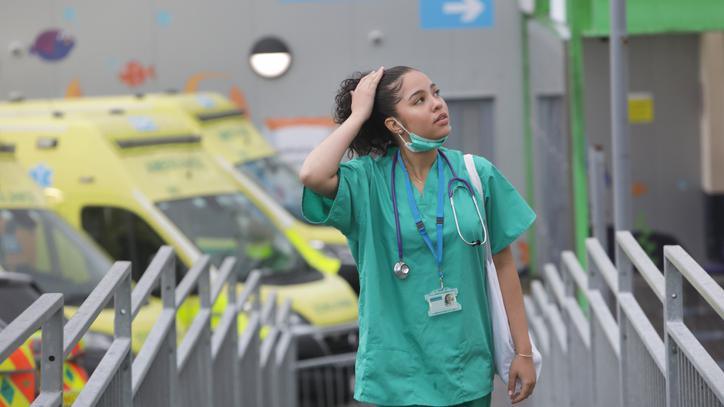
column 421, row 109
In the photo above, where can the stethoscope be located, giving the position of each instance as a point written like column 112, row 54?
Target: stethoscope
column 401, row 269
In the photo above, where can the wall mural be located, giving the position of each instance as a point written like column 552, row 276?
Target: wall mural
column 134, row 74
column 639, row 189
column 69, row 14
column 73, row 90
column 236, row 95
column 52, row 45
column 163, row 18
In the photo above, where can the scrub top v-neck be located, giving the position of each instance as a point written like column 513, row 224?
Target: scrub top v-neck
column 406, row 357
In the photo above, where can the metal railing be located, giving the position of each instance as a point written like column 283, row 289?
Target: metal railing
column 328, row 380
column 693, row 374
column 217, row 365
column 592, row 356
column 595, row 358
column 110, row 383
column 207, row 368
column 46, row 314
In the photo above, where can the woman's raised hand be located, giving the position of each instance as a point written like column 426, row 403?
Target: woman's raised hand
column 363, row 96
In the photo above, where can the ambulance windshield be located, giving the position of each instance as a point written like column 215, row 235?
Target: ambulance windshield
column 59, row 259
column 279, row 180
column 230, row 225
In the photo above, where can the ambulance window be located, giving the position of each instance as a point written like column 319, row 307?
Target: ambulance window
column 125, row 236
column 39, row 244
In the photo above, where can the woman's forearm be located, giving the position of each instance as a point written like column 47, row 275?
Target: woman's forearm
column 319, row 170
column 513, row 300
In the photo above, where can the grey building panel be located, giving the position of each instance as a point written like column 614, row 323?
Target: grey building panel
column 328, row 39
column 665, row 154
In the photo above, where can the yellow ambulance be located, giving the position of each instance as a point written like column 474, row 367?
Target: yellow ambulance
column 36, row 242
column 239, row 149
column 233, row 139
column 137, row 181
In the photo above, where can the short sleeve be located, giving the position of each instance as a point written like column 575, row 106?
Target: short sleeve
column 508, row 214
column 340, row 211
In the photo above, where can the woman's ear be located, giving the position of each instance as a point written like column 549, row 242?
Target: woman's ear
column 393, row 126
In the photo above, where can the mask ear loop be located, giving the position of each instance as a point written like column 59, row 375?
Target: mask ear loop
column 477, row 209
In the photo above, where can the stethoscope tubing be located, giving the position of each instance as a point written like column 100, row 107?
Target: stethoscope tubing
column 451, row 191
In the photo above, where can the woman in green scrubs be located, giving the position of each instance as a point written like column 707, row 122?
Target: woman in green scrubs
column 424, row 325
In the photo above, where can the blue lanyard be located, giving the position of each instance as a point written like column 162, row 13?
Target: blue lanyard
column 437, row 254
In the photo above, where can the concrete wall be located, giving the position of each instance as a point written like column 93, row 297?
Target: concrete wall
column 665, row 154
column 328, row 39
column 551, row 143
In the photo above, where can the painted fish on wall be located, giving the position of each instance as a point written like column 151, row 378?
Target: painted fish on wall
column 52, row 45
column 134, row 74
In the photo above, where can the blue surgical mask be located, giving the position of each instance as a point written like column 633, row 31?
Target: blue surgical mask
column 419, row 144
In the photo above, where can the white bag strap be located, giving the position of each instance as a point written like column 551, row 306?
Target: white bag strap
column 505, row 348
column 478, row 185
column 473, row 174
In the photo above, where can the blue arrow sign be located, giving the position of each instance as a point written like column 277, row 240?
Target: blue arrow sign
column 455, row 14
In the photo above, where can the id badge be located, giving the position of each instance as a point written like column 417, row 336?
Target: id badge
column 442, row 301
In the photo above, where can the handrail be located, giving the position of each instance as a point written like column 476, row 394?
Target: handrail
column 556, row 284
column 25, row 325
column 198, row 275
column 698, row 356
column 642, row 262
column 603, row 264
column 228, row 320
column 574, row 268
column 189, row 281
column 227, row 267
column 148, row 281
column 93, row 305
column 45, row 313
column 269, row 309
column 162, row 268
column 116, row 362
column 251, row 287
column 699, row 279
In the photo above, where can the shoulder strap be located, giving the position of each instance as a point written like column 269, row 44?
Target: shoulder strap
column 473, row 174
column 478, row 185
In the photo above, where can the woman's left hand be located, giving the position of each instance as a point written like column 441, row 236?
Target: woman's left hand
column 522, row 369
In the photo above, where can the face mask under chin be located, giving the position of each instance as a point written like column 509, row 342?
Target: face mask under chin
column 419, row 144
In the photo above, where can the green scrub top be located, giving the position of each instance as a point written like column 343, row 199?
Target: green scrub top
column 406, row 357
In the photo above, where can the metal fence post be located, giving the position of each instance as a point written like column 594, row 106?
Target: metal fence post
column 625, row 286
column 596, row 180
column 122, row 322
column 236, row 375
column 224, row 341
column 168, row 297
column 248, row 382
column 45, row 313
column 111, row 382
column 154, row 368
column 194, row 364
column 51, row 365
column 673, row 312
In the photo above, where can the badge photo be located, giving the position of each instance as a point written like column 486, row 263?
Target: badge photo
column 442, row 301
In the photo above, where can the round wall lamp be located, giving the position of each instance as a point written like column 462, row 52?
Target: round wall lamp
column 270, row 58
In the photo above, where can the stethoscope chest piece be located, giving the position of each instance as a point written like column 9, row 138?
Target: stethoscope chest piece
column 401, row 270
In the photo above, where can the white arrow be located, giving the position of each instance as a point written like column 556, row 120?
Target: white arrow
column 470, row 9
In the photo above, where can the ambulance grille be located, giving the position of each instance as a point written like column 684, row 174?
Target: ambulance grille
column 158, row 141
column 205, row 117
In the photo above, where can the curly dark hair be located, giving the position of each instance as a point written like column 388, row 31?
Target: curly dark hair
column 373, row 137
